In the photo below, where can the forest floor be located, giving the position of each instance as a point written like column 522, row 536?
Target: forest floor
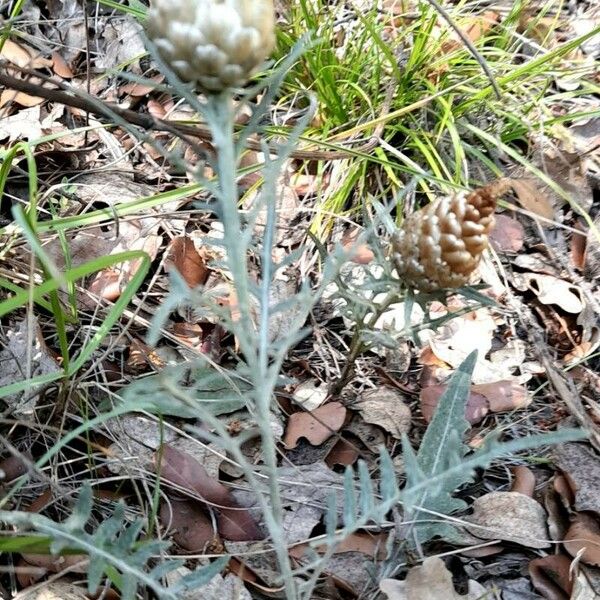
column 106, row 254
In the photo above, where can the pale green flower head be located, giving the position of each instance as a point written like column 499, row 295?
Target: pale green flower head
column 217, row 43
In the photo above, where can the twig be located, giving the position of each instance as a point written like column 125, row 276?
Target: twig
column 79, row 99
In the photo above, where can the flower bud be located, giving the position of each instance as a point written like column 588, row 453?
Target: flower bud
column 216, row 43
column 440, row 245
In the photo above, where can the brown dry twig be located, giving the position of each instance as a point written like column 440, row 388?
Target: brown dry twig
column 69, row 96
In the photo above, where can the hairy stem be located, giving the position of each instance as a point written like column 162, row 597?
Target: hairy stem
column 253, row 344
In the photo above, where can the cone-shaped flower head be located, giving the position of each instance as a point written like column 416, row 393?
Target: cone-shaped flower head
column 440, row 245
column 217, row 43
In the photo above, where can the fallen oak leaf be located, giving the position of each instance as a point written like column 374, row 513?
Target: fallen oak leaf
column 342, row 453
column 316, row 426
column 237, row 525
column 531, row 197
column 552, row 290
column 503, row 395
column 23, row 56
column 188, row 475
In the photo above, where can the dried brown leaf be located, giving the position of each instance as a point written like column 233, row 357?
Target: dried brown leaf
column 343, row 453
column 385, row 407
column 524, row 480
column 188, row 524
column 581, row 468
column 531, row 196
column 583, row 539
column 429, row 581
column 188, row 474
column 23, row 56
column 185, row 472
column 476, row 409
column 507, row 234
column 183, row 256
column 509, row 516
column 61, row 67
column 550, row 576
column 503, row 395
column 317, row 426
column 237, row 525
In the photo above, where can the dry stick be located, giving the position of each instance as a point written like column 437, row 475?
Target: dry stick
column 79, row 99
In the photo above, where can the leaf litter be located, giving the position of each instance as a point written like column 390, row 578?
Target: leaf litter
column 207, row 505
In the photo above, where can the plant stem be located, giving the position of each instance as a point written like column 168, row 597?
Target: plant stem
column 357, row 346
column 254, row 345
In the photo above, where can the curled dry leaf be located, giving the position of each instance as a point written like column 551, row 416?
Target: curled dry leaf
column 558, row 514
column 343, row 453
column 583, row 539
column 385, row 407
column 238, row 525
column 317, row 426
column 185, row 472
column 550, row 576
column 190, row 476
column 509, row 516
column 552, row 290
column 430, row 581
column 23, row 55
column 61, row 67
column 475, row 410
column 183, row 256
column 524, row 480
column 503, row 395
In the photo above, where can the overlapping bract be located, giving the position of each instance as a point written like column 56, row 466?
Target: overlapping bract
column 440, row 245
column 216, row 43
